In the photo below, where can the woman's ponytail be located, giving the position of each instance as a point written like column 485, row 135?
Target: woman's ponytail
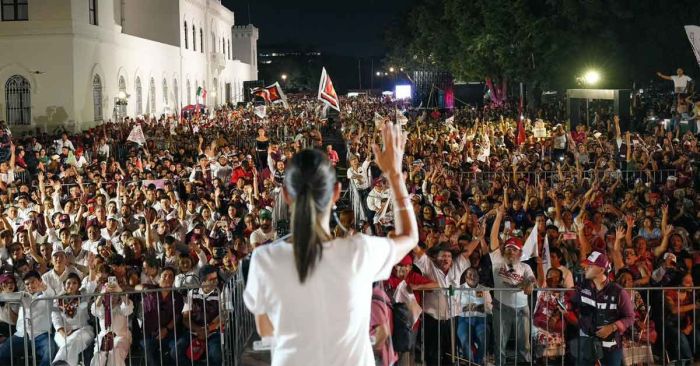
column 309, row 181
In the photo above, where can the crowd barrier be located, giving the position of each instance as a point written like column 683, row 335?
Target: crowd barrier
column 141, row 312
column 552, row 176
column 654, row 339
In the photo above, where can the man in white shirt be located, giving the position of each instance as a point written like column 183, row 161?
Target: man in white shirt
column 680, row 81
column 438, row 306
column 265, row 234
column 510, row 308
column 35, row 324
column 54, row 278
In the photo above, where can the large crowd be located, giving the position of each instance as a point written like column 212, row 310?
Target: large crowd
column 94, row 213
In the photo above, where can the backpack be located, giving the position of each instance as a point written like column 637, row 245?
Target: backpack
column 401, row 335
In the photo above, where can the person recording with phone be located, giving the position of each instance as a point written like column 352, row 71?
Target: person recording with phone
column 114, row 338
column 314, row 282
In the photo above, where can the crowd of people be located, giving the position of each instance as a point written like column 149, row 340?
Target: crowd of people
column 93, row 215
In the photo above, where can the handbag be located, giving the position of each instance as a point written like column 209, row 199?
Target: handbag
column 107, row 342
column 586, row 349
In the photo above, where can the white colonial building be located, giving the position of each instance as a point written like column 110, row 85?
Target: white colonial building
column 76, row 63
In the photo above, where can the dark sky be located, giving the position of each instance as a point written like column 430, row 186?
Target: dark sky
column 353, row 28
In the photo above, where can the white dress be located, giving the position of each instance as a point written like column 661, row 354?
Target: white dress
column 324, row 321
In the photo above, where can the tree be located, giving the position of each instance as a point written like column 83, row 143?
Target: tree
column 543, row 41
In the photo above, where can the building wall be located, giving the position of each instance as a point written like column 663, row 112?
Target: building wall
column 156, row 20
column 59, row 52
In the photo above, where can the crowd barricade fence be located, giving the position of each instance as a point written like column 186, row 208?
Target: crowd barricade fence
column 654, row 339
column 224, row 343
column 551, row 176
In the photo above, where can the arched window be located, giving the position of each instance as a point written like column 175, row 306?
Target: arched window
column 177, row 94
column 201, row 39
column 139, row 97
column 215, row 89
column 152, row 97
column 165, row 92
column 229, row 50
column 189, row 93
column 97, row 97
column 122, row 88
column 213, row 42
column 186, row 43
column 194, row 38
column 18, row 100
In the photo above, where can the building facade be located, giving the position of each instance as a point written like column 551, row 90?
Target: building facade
column 78, row 63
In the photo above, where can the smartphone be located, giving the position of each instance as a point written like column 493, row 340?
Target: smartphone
column 561, row 304
column 112, row 281
column 506, row 226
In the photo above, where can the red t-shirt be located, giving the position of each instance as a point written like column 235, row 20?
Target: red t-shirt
column 412, row 279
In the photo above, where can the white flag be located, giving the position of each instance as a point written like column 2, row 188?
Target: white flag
column 260, row 111
column 378, row 121
column 693, row 32
column 400, row 118
column 485, row 150
column 530, row 249
column 136, row 135
column 450, row 121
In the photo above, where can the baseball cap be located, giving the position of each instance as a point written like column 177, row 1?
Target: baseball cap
column 672, row 177
column 406, row 261
column 514, row 242
column 265, row 215
column 597, row 258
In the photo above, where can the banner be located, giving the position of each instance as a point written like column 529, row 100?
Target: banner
column 326, row 91
column 693, row 32
column 159, row 183
column 275, row 94
column 136, row 135
column 261, row 92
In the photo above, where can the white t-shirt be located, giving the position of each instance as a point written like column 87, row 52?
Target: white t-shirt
column 505, row 276
column 680, row 83
column 325, row 320
column 259, row 237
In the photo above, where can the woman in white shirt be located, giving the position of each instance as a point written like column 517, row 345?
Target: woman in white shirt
column 311, row 296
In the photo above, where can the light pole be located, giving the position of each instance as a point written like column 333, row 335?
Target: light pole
column 284, row 80
column 589, row 78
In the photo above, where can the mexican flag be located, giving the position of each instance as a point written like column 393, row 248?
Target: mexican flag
column 201, row 92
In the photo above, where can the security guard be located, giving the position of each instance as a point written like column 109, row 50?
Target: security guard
column 604, row 311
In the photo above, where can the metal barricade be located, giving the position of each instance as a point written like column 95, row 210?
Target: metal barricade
column 627, row 177
column 239, row 321
column 460, row 327
column 177, row 326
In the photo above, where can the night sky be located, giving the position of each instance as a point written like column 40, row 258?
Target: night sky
column 349, row 28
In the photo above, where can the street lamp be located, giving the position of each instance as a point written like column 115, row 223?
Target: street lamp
column 284, row 77
column 591, row 77
column 379, row 73
column 391, row 69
